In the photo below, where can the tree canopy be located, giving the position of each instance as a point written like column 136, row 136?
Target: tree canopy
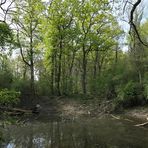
column 73, row 47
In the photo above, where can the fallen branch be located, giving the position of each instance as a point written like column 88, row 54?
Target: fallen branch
column 118, row 118
column 142, row 124
column 14, row 113
column 115, row 117
column 15, row 110
column 129, row 120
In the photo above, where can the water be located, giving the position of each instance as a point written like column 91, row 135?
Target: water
column 90, row 133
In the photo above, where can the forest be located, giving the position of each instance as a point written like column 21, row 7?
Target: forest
column 73, row 74
column 72, row 48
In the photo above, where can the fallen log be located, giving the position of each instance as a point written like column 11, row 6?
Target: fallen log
column 15, row 110
column 21, row 110
column 14, row 113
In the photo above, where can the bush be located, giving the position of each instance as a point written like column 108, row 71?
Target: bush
column 21, row 85
column 9, row 97
column 131, row 95
column 6, row 78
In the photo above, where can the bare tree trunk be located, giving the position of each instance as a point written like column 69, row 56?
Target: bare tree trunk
column 70, row 85
column 84, row 72
column 140, row 77
column 52, row 73
column 96, row 62
column 32, row 63
column 24, row 72
column 32, row 74
column 59, row 67
column 116, row 55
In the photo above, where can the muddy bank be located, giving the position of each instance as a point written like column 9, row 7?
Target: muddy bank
column 62, row 108
column 71, row 108
column 95, row 109
column 137, row 113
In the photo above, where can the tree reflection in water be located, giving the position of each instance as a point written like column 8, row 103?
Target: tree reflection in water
column 104, row 133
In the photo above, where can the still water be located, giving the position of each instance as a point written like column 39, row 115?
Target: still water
column 90, row 133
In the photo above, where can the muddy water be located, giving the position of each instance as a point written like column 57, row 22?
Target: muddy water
column 90, row 133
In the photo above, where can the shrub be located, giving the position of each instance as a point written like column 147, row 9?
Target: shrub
column 6, row 78
column 9, row 97
column 130, row 95
column 21, row 85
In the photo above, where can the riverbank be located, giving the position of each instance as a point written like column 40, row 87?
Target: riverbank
column 62, row 108
column 138, row 113
column 75, row 109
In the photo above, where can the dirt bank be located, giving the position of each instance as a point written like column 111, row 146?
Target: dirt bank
column 65, row 108
column 71, row 108
column 62, row 108
column 95, row 109
column 138, row 113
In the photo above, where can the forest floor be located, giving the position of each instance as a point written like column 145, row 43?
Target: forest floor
column 65, row 109
column 96, row 109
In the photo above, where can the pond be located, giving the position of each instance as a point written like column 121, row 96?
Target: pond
column 88, row 133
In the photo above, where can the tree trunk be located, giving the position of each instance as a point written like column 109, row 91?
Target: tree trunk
column 140, row 77
column 59, row 67
column 96, row 64
column 116, row 55
column 52, row 74
column 32, row 75
column 32, row 63
column 84, row 72
column 70, row 85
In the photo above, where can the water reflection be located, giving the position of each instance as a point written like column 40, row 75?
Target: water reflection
column 104, row 133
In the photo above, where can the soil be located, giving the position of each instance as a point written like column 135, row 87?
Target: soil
column 137, row 113
column 62, row 108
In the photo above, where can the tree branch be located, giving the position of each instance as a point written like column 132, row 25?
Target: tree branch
column 21, row 50
column 132, row 24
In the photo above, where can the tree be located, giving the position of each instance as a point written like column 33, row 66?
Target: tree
column 26, row 20
column 137, row 49
column 73, row 31
column 59, row 40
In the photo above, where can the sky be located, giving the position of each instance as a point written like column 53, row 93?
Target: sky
column 146, row 8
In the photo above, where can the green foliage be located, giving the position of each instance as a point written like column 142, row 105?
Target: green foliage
column 5, row 34
column 132, row 94
column 9, row 97
column 1, row 137
column 43, row 87
column 71, row 44
column 5, row 79
column 75, row 37
column 6, row 76
column 21, row 85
